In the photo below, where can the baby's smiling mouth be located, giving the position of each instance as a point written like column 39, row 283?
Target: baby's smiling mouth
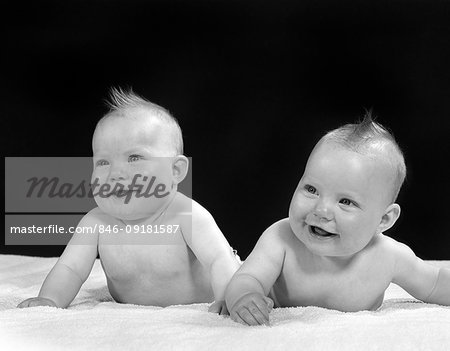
column 317, row 231
column 124, row 192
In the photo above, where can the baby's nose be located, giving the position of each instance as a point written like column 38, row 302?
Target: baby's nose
column 117, row 174
column 323, row 210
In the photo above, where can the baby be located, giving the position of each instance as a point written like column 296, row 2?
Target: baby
column 331, row 251
column 138, row 163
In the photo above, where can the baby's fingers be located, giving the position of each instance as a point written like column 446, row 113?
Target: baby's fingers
column 263, row 308
column 234, row 316
column 246, row 316
column 25, row 303
column 259, row 311
column 252, row 315
column 269, row 303
column 45, row 302
column 219, row 307
column 215, row 307
column 36, row 301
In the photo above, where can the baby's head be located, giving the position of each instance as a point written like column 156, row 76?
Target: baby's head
column 371, row 139
column 347, row 192
column 137, row 113
column 137, row 150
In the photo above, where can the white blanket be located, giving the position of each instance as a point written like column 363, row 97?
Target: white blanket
column 95, row 322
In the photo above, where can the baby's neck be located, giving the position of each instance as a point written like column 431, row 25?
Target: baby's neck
column 333, row 263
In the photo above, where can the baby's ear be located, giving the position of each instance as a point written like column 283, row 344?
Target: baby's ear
column 389, row 218
column 180, row 168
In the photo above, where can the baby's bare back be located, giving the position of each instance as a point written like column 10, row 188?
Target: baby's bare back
column 358, row 284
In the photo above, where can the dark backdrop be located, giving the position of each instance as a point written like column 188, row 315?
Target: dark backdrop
column 254, row 84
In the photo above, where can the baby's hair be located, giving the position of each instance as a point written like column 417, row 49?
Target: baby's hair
column 121, row 101
column 370, row 137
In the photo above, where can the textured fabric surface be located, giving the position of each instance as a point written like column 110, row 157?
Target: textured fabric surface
column 95, row 321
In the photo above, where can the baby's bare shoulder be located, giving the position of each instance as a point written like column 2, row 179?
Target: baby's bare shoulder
column 278, row 234
column 195, row 219
column 184, row 206
column 401, row 254
column 183, row 210
column 387, row 250
column 389, row 245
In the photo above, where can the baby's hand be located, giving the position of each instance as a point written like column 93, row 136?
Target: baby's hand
column 219, row 307
column 36, row 301
column 252, row 309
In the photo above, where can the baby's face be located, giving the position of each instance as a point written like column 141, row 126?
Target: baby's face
column 131, row 159
column 340, row 201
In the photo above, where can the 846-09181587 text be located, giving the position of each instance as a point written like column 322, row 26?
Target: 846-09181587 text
column 101, row 229
column 140, row 229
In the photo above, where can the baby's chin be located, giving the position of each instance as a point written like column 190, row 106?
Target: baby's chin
column 125, row 216
column 129, row 216
column 126, row 212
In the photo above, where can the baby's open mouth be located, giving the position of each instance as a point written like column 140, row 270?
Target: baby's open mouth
column 320, row 232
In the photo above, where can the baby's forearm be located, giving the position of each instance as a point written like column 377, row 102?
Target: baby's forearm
column 441, row 292
column 221, row 272
column 242, row 284
column 61, row 285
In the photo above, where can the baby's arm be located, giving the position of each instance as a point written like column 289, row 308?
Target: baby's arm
column 425, row 282
column 70, row 271
column 214, row 252
column 246, row 294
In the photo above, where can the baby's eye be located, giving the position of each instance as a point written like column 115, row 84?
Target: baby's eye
column 310, row 189
column 347, row 202
column 133, row 158
column 100, row 163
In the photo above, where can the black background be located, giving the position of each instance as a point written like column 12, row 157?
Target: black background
column 254, row 84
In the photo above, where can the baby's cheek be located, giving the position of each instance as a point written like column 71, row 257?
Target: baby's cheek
column 293, row 206
column 292, row 215
column 99, row 177
column 356, row 229
column 295, row 221
column 144, row 175
column 300, row 207
column 348, row 223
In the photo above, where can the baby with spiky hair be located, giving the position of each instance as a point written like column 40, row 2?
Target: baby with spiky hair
column 156, row 245
column 331, row 251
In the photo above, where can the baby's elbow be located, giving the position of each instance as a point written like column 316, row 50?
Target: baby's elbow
column 440, row 294
column 227, row 259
